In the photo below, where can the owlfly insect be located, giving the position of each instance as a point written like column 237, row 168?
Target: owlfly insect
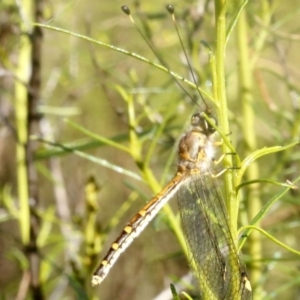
column 213, row 252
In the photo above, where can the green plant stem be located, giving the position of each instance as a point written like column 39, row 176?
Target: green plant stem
column 261, row 38
column 27, row 98
column 265, row 209
column 248, row 124
column 220, row 95
column 128, row 53
column 24, row 60
column 272, row 238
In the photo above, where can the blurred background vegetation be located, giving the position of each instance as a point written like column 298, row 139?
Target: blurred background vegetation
column 66, row 103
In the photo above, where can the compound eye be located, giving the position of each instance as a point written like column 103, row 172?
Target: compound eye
column 196, row 120
column 199, row 121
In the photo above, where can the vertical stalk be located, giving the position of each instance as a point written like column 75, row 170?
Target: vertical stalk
column 22, row 74
column 247, row 101
column 27, row 93
column 220, row 95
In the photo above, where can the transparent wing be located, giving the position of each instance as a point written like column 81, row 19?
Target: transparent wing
column 213, row 255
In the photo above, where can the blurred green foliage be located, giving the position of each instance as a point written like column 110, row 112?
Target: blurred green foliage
column 123, row 114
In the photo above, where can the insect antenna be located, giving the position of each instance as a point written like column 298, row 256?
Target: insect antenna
column 170, row 9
